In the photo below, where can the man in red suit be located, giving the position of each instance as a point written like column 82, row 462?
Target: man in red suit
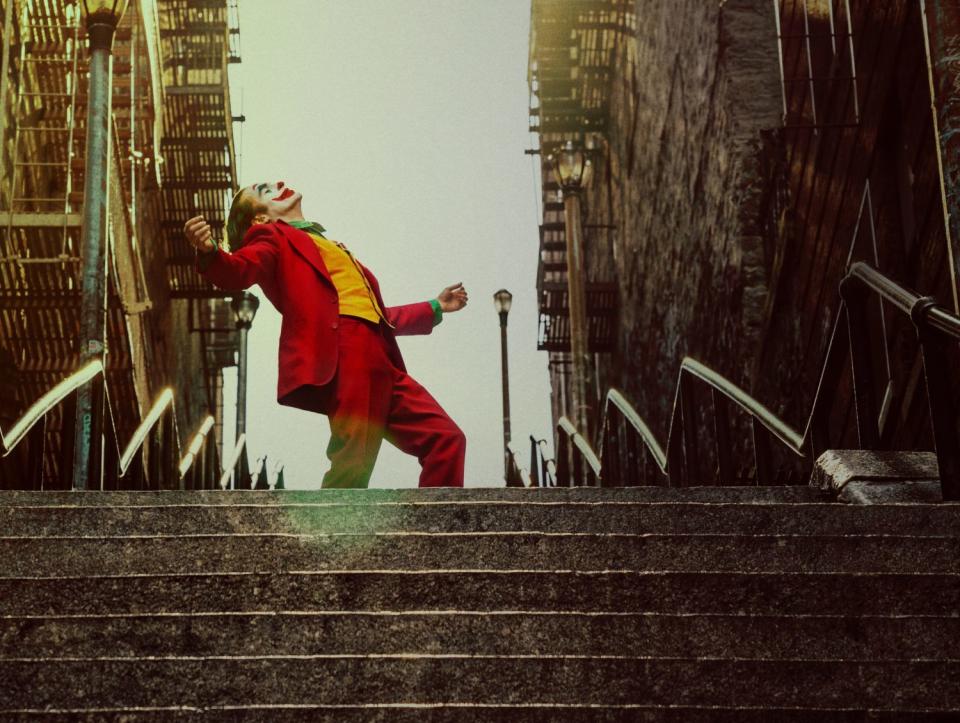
column 338, row 352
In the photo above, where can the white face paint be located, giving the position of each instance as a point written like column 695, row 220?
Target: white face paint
column 279, row 198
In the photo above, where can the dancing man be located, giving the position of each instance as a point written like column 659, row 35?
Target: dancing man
column 338, row 351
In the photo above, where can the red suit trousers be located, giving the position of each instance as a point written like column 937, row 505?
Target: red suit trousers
column 373, row 400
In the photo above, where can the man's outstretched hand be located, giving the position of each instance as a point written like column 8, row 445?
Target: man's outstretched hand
column 198, row 233
column 452, row 298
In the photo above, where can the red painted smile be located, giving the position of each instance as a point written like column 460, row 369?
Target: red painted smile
column 287, row 192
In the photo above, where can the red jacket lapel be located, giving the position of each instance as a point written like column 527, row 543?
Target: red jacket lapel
column 304, row 245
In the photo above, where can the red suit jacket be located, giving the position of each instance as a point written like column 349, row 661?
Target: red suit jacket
column 287, row 265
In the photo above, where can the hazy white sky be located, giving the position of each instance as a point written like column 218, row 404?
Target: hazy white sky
column 404, row 124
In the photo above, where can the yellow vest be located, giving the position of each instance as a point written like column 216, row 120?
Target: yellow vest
column 353, row 288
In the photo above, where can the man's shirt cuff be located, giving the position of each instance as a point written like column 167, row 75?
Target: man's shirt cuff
column 437, row 311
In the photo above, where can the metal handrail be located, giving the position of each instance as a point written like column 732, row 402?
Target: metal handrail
column 909, row 303
column 143, row 430
column 159, row 448
column 44, row 404
column 926, row 315
column 515, row 461
column 234, row 459
column 572, row 451
column 616, row 398
column 196, row 444
column 776, row 426
column 543, row 469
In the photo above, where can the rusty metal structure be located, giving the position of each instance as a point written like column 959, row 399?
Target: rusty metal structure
column 571, row 64
column 172, row 156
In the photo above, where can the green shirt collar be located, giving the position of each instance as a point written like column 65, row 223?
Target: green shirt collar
column 308, row 226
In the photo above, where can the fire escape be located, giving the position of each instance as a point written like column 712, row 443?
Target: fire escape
column 573, row 47
column 172, row 156
column 200, row 40
column 42, row 124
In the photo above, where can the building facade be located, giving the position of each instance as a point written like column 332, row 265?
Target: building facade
column 746, row 152
column 172, row 156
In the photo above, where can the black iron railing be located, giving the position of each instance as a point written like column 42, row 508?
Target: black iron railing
column 517, row 474
column 628, row 447
column 543, row 469
column 24, row 470
column 576, row 463
column 679, row 460
column 151, row 459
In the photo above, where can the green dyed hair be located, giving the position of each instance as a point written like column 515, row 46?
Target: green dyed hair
column 243, row 209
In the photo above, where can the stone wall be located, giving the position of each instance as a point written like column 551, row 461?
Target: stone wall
column 682, row 184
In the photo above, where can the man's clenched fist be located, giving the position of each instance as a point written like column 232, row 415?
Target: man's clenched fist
column 199, row 235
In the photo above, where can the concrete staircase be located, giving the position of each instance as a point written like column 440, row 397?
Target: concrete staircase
column 640, row 604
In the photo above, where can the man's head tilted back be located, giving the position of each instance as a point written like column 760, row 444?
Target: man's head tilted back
column 260, row 203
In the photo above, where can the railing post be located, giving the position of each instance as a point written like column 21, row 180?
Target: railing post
column 721, row 428
column 199, row 475
column 154, row 464
column 761, row 453
column 169, row 445
column 864, row 393
column 610, row 450
column 819, row 432
column 675, row 457
column 563, row 460
column 241, row 478
column 633, row 461
column 262, row 480
column 943, row 410
column 111, row 449
column 688, row 411
column 534, row 462
column 68, row 423
column 32, row 477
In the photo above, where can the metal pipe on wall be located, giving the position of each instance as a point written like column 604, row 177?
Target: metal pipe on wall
column 577, row 295
column 93, row 243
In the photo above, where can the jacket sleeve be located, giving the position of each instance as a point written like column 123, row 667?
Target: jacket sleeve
column 411, row 319
column 248, row 265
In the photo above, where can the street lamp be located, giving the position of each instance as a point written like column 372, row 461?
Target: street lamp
column 502, row 301
column 244, row 307
column 574, row 171
column 102, row 18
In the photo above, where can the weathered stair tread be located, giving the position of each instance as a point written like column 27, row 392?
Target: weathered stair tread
column 458, row 632
column 273, row 552
column 643, row 604
column 923, row 685
column 639, row 591
column 484, row 515
column 480, row 713
column 792, row 493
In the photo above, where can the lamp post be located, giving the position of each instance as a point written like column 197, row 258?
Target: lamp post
column 244, row 307
column 102, row 18
column 574, row 171
column 502, row 301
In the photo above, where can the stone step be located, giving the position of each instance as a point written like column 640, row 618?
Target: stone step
column 478, row 713
column 793, row 493
column 463, row 516
column 605, row 591
column 921, row 685
column 457, row 632
column 45, row 556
